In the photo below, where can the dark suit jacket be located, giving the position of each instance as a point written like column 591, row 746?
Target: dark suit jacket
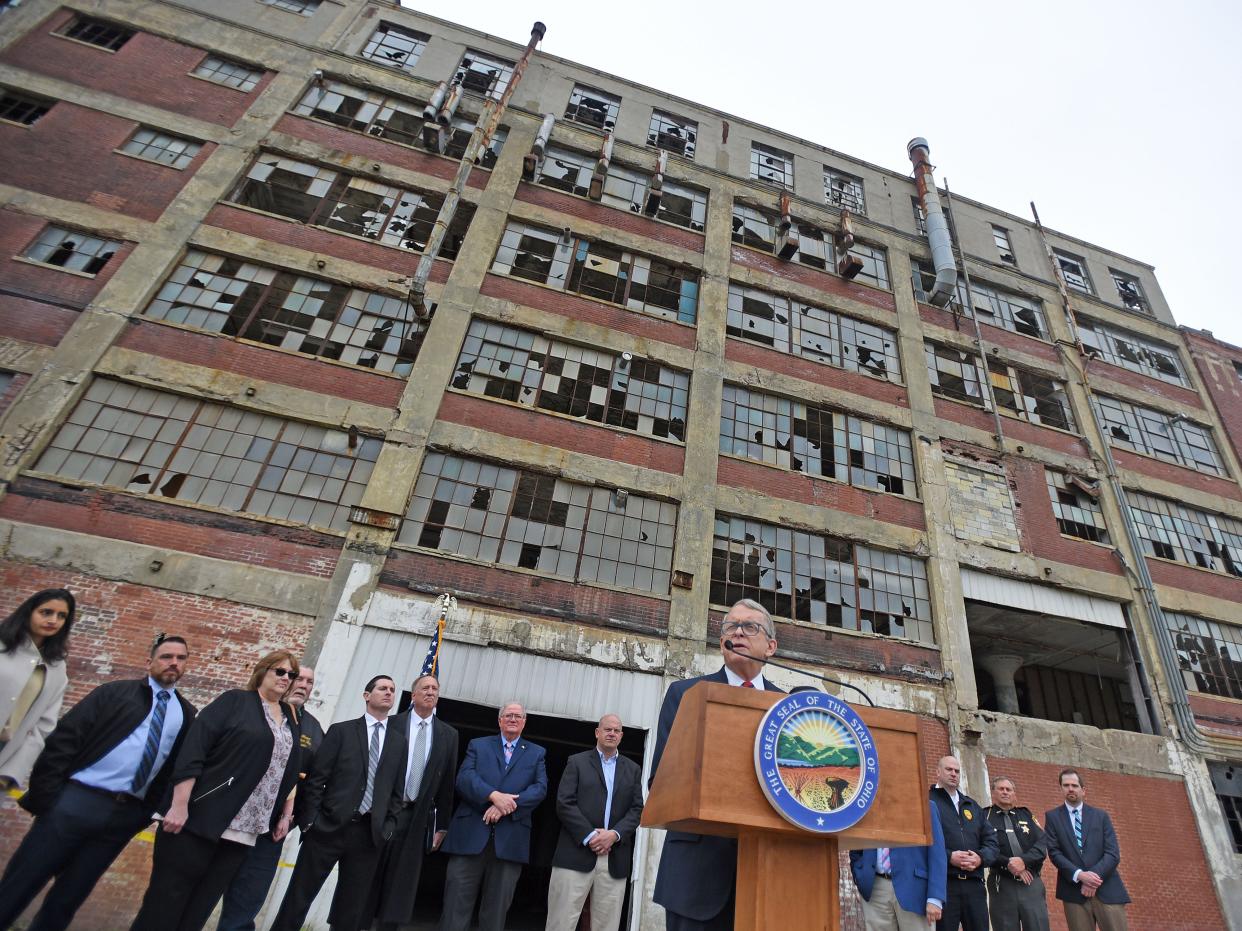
column 338, row 779
column 919, row 873
column 580, row 802
column 1100, row 854
column 89, row 731
column 399, row 870
column 697, row 872
column 484, row 772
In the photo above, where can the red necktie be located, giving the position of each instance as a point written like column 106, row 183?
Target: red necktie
column 748, row 684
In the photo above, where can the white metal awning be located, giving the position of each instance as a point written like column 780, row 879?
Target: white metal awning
column 1040, row 599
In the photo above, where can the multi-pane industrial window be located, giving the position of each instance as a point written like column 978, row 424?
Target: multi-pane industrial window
column 1166, row 436
column 98, row 32
column 1172, row 530
column 636, row 394
column 391, row 118
column 624, row 187
column 483, row 74
column 806, row 330
column 337, row 201
column 1209, row 653
column 166, row 149
column 773, row 165
column 1000, row 236
column 1227, row 782
column 957, row 374
column 1074, row 271
column 1130, row 291
column 1076, row 506
column 920, row 218
column 673, row 133
column 395, row 45
column 600, row 270
column 1007, row 309
column 292, row 311
column 228, row 73
column 515, row 517
column 815, row 440
column 821, row 579
column 752, row 227
column 304, row 7
column 19, row 108
column 1130, row 351
column 593, row 108
column 72, row 250
column 844, row 191
column 164, row 444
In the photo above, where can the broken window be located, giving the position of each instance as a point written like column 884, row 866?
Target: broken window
column 844, row 191
column 820, row 579
column 1170, row 437
column 1074, row 271
column 98, row 32
column 815, row 440
column 296, row 312
column 483, row 74
column 772, row 165
column 1030, row 396
column 21, row 108
column 1172, row 530
column 395, row 45
column 673, row 133
column 567, row 171
column 920, row 218
column 1227, row 782
column 1209, row 653
column 229, row 73
column 1000, row 236
column 635, row 394
column 163, row 148
column 593, row 108
column 516, row 517
column 1130, row 351
column 753, row 227
column 813, row 332
column 599, row 270
column 1076, row 506
column 1009, row 310
column 955, row 374
column 1130, row 292
column 72, row 250
column 757, row 228
column 157, row 443
column 304, row 7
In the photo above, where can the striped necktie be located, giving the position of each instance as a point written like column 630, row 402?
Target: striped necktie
column 1077, row 826
column 883, row 862
column 508, row 753
column 373, row 755
column 152, row 748
column 418, row 763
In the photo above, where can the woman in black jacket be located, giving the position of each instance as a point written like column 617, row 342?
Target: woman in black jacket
column 232, row 781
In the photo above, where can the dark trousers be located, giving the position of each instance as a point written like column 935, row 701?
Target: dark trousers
column 467, row 873
column 966, row 905
column 723, row 921
column 188, row 875
column 354, row 849
column 245, row 894
column 74, row 843
column 1015, row 906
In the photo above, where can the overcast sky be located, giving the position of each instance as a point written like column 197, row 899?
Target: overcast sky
column 1121, row 121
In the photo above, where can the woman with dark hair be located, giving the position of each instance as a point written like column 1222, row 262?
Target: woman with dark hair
column 34, row 640
column 232, row 780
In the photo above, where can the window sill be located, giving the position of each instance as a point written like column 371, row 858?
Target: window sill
column 633, row 213
column 152, row 161
column 1179, row 383
column 750, row 342
column 1107, row 546
column 1186, row 565
column 823, row 271
column 1221, row 476
column 1212, row 696
column 831, row 480
column 89, row 276
column 227, row 87
column 404, row 145
column 98, row 48
column 595, row 300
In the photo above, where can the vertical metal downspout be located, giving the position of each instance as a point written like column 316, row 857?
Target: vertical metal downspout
column 489, row 119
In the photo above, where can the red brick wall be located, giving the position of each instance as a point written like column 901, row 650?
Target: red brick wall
column 1194, row 579
column 146, row 68
column 1015, row 429
column 1162, row 860
column 1218, row 714
column 610, row 217
column 1179, row 475
column 1038, row 526
column 992, row 335
column 69, row 154
column 1141, row 382
column 830, row 285
column 773, row 360
column 17, row 233
column 34, row 321
column 1215, row 362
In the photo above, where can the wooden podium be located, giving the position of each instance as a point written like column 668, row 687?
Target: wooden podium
column 787, row 878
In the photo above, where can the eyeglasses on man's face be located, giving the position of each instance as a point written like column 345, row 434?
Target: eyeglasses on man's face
column 749, row 628
column 281, row 672
column 512, row 717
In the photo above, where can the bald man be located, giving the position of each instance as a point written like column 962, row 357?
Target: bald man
column 970, row 843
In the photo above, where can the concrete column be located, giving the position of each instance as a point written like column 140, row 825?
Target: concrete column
column 1002, row 667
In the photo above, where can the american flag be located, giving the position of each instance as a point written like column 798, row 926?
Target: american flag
column 431, row 664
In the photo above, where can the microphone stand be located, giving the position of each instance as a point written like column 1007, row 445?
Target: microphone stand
column 728, row 645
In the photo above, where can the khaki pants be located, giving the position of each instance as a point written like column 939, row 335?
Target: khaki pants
column 882, row 912
column 1093, row 913
column 567, row 893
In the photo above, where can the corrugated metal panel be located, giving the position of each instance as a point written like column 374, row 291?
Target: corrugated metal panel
column 1043, row 599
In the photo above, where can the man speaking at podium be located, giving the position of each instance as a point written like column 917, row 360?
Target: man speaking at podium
column 697, row 879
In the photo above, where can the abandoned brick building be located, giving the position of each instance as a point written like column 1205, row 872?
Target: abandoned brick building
column 664, row 358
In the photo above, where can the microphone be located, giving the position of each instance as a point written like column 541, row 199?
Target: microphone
column 728, row 645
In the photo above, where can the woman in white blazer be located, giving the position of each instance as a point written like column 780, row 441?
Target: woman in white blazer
column 34, row 640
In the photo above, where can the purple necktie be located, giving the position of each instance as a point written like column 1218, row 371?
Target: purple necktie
column 883, row 863
column 508, row 754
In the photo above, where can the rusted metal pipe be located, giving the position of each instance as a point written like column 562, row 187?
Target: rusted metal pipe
column 937, row 227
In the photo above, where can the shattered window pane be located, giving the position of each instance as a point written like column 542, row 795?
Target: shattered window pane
column 755, row 227
column 920, row 218
column 1076, row 506
column 290, row 188
column 98, row 32
column 1130, row 351
column 1210, row 656
column 1030, row 396
column 593, row 108
column 875, row 264
column 228, row 73
column 515, row 517
column 1170, row 437
column 752, row 227
column 1000, row 237
column 71, row 249
column 155, row 443
column 955, row 374
column 19, row 108
column 1171, row 530
column 395, row 45
column 483, row 74
column 1074, row 271
column 637, row 394
column 291, row 311
column 1130, row 292
column 164, row 148
column 567, row 171
column 772, row 165
column 304, row 7
column 820, row 579
column 996, row 306
column 673, row 133
column 684, row 206
column 844, row 191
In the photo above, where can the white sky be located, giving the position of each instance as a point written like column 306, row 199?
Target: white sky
column 1122, row 121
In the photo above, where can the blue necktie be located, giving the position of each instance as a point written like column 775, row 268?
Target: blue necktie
column 884, row 863
column 152, row 748
column 1077, row 827
column 508, row 753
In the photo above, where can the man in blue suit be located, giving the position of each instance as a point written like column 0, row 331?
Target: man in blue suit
column 903, row 888
column 1083, row 846
column 501, row 781
column 697, row 879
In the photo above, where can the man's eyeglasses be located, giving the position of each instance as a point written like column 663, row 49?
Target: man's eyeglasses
column 513, row 717
column 282, row 673
column 749, row 628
